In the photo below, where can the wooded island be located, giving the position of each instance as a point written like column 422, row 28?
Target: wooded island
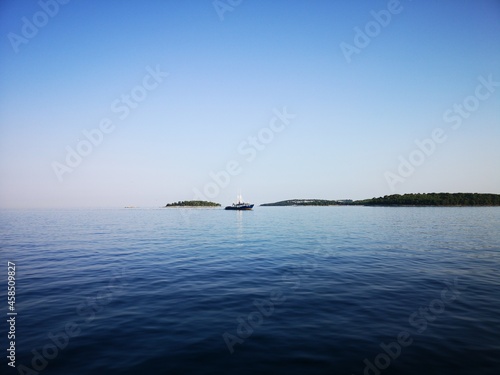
column 193, row 204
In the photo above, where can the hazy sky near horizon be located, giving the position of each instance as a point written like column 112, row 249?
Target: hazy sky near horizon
column 290, row 99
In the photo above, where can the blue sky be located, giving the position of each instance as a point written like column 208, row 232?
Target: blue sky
column 355, row 118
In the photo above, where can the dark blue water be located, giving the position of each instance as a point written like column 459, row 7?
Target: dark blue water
column 290, row 290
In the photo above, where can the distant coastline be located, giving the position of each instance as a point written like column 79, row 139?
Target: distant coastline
column 307, row 202
column 395, row 200
column 424, row 199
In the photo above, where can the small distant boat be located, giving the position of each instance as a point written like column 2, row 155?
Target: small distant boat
column 240, row 205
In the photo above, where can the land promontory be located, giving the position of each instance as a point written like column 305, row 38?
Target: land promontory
column 419, row 199
column 305, row 202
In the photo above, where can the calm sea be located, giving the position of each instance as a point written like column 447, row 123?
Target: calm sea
column 278, row 290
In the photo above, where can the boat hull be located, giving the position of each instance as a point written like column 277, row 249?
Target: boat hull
column 245, row 207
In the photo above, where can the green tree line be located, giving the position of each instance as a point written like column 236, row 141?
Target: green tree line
column 193, row 204
column 434, row 199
